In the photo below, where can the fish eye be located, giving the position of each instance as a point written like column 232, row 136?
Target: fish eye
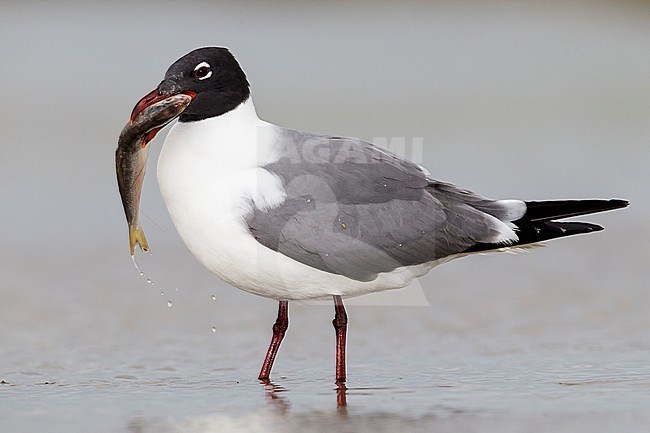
column 202, row 71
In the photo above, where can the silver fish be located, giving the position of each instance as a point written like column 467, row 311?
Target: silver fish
column 131, row 157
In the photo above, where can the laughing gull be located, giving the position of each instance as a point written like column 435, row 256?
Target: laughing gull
column 291, row 216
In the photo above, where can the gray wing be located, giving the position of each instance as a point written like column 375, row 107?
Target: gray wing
column 355, row 210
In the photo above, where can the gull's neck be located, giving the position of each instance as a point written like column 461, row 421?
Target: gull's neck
column 234, row 139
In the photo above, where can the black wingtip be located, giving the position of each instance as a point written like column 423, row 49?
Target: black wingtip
column 618, row 203
column 558, row 209
column 588, row 228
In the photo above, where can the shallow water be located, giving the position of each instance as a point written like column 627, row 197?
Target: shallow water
column 499, row 393
column 566, row 353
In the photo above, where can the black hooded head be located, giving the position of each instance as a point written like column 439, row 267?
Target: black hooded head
column 215, row 78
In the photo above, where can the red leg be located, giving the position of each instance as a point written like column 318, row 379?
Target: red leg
column 340, row 323
column 279, row 329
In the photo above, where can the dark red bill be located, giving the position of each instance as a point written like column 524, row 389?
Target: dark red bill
column 151, row 98
column 148, row 100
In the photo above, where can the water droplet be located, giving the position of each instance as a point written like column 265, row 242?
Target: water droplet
column 162, row 293
column 136, row 266
column 385, row 185
column 149, row 281
column 327, row 255
column 214, row 329
column 213, row 297
column 399, row 245
column 169, row 304
column 308, row 200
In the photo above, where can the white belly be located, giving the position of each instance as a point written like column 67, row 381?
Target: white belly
column 210, row 187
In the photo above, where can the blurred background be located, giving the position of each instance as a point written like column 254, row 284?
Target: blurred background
column 532, row 100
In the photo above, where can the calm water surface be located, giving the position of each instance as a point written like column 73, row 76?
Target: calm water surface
column 497, row 354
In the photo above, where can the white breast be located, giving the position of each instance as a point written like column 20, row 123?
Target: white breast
column 210, row 175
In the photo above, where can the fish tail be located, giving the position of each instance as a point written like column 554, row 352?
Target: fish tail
column 136, row 236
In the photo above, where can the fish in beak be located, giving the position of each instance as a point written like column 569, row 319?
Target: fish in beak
column 149, row 116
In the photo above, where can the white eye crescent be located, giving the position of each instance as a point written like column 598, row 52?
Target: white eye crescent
column 202, row 71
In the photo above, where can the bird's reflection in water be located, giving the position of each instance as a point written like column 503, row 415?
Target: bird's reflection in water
column 341, row 397
column 274, row 395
